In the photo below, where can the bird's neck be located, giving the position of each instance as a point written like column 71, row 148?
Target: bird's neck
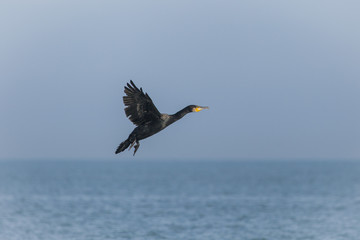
column 180, row 114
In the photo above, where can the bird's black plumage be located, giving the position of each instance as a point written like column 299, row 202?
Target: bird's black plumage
column 141, row 110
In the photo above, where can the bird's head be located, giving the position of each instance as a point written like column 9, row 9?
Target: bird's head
column 195, row 108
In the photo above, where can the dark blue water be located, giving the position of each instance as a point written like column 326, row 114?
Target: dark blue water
column 179, row 200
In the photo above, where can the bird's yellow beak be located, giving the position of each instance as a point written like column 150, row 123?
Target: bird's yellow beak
column 198, row 109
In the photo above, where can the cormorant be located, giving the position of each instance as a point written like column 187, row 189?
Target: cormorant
column 141, row 110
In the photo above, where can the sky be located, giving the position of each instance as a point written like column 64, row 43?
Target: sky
column 281, row 78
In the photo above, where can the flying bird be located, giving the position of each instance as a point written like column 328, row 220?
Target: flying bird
column 140, row 109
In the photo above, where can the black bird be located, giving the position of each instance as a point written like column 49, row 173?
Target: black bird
column 141, row 110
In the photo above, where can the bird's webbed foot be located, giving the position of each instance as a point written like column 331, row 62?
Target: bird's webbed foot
column 132, row 144
column 136, row 147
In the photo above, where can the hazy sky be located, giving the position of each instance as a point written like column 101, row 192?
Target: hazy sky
column 282, row 78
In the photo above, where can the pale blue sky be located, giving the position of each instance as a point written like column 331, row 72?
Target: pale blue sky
column 282, row 78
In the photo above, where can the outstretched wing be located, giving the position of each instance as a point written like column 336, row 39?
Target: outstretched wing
column 139, row 106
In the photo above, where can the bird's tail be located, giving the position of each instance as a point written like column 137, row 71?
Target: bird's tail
column 124, row 145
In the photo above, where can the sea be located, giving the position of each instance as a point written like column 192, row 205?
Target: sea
column 192, row 200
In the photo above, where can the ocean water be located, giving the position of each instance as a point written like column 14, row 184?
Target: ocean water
column 202, row 200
